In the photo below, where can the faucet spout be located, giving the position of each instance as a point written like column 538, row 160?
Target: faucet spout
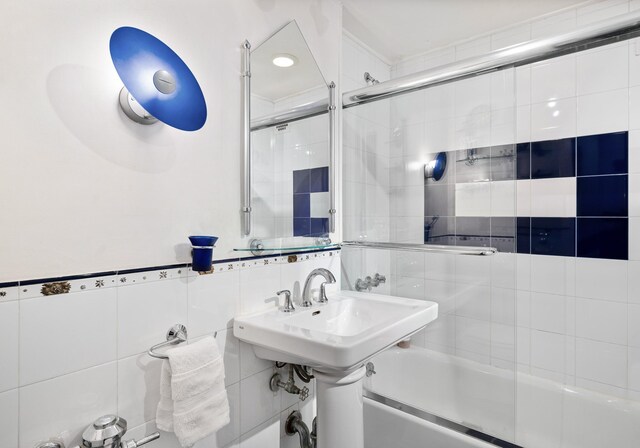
column 306, row 292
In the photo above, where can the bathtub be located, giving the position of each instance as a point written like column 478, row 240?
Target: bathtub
column 531, row 412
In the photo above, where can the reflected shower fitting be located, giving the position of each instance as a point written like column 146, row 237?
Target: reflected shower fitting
column 370, row 80
column 369, row 282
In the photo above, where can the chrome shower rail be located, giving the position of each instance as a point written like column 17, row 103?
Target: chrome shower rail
column 458, row 250
column 246, row 137
column 601, row 33
column 306, row 110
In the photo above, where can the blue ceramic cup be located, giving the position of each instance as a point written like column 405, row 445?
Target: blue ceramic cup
column 202, row 253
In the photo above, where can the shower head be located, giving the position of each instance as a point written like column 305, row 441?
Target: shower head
column 370, row 79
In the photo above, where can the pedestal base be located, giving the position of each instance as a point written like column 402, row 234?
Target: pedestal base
column 340, row 409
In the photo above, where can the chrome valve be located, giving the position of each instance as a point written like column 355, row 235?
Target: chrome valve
column 107, row 432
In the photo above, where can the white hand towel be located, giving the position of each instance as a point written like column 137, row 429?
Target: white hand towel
column 193, row 399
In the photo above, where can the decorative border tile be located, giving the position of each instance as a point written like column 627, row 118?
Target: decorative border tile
column 78, row 283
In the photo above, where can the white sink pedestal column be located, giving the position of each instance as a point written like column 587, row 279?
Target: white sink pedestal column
column 340, row 409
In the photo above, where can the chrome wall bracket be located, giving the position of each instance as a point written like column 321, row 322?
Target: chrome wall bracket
column 246, row 137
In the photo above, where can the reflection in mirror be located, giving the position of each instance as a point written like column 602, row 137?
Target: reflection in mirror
column 290, row 161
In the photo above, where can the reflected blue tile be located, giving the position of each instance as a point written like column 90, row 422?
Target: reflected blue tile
column 553, row 158
column 523, row 244
column 319, row 179
column 523, row 161
column 503, row 233
column 301, row 181
column 603, row 238
column 319, row 227
column 439, row 230
column 302, row 205
column 603, row 196
column 503, row 162
column 603, row 154
column 472, row 231
column 301, row 226
column 553, row 236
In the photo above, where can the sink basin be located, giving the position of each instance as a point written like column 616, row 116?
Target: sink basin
column 339, row 335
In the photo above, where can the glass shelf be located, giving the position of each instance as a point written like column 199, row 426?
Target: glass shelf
column 259, row 246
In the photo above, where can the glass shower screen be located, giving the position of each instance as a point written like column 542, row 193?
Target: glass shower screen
column 438, row 167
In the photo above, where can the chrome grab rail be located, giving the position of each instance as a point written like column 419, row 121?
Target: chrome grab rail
column 458, row 250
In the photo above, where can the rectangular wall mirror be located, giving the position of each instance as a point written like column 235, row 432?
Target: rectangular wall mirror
column 289, row 148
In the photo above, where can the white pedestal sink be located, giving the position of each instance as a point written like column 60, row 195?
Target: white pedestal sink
column 336, row 339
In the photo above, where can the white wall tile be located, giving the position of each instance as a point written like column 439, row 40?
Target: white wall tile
column 548, row 274
column 634, row 238
column 602, row 362
column 258, row 287
column 473, row 336
column 64, row 406
column 441, row 332
column 523, row 272
column 554, row 119
column 443, row 293
column 265, row 435
column 72, row 318
column 601, row 320
column 138, row 388
column 9, row 348
column 250, row 364
column 634, row 151
column 554, row 24
column 601, row 10
column 440, row 267
column 409, row 264
column 523, row 124
column 473, row 199
column 213, row 300
column 503, row 198
column 553, row 197
column 523, row 198
column 473, row 301
column 410, row 287
column 633, row 319
column 523, row 85
column 603, row 112
column 473, row 270
column 548, row 312
column 9, row 418
column 229, row 346
column 257, row 403
column 553, row 79
column 146, row 311
column 503, row 306
column 523, row 309
column 601, row 279
column 511, row 36
column 503, row 270
column 548, row 351
column 603, row 69
column 634, row 62
column 634, row 368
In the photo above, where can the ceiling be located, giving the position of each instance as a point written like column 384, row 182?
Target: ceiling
column 399, row 29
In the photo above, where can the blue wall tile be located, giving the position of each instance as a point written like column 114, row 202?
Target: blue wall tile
column 603, row 196
column 553, row 158
column 523, row 245
column 523, row 164
column 603, row 238
column 301, row 226
column 301, row 205
column 319, row 227
column 553, row 236
column 301, row 181
column 319, row 179
column 603, row 154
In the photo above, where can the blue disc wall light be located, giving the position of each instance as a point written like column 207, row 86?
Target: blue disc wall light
column 158, row 85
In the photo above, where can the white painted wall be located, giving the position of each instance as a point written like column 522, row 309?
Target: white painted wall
column 83, row 188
